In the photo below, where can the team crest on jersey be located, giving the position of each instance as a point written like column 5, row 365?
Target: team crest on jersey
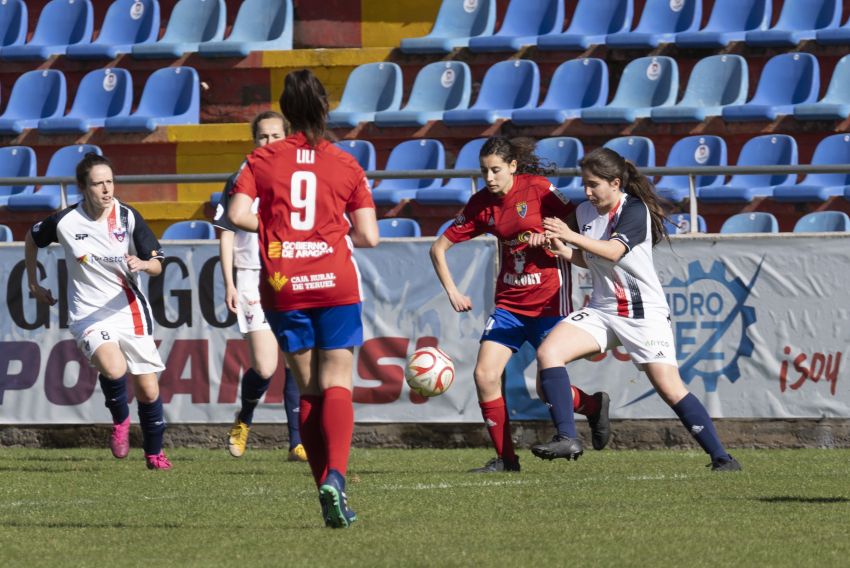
column 120, row 233
column 522, row 209
column 249, row 317
column 278, row 281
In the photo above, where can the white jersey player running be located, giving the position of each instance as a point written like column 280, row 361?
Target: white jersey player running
column 107, row 243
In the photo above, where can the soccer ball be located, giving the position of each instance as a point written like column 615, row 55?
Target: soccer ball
column 429, row 371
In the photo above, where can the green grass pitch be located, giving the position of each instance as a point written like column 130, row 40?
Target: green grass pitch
column 419, row 508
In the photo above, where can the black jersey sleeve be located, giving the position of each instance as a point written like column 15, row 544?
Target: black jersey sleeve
column 145, row 242
column 44, row 232
column 633, row 225
column 220, row 219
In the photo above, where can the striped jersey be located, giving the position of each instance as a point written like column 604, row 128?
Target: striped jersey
column 532, row 282
column 101, row 287
column 246, row 245
column 629, row 287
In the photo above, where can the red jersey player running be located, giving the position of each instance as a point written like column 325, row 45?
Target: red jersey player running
column 309, row 283
column 532, row 292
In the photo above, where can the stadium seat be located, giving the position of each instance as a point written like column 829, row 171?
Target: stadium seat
column 823, row 222
column 192, row 22
column 445, row 226
column 457, row 191
column 456, row 23
column 63, row 163
column 715, row 82
column 750, row 223
column 35, row 95
column 398, row 227
column 834, row 36
column 127, row 23
column 799, row 20
column 563, row 152
column 680, row 224
column 524, row 22
column 730, row 21
column 639, row 150
column 189, row 231
column 6, row 234
column 103, row 93
column 693, row 151
column 60, row 24
column 439, row 86
column 172, row 96
column 507, row 86
column 261, row 25
column 659, row 23
column 646, row 83
column 833, row 149
column 835, row 105
column 362, row 150
column 424, row 154
column 787, row 79
column 371, row 88
column 592, row 21
column 767, row 150
column 16, row 161
column 576, row 84
column 13, row 23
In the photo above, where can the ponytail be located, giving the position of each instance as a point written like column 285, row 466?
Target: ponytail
column 519, row 149
column 304, row 103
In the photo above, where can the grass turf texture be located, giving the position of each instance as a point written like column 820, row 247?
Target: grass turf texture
column 419, row 508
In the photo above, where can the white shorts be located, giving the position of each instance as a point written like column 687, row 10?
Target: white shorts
column 249, row 311
column 645, row 340
column 139, row 350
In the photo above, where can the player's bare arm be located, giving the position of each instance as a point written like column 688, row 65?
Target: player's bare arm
column 40, row 293
column 225, row 250
column 152, row 267
column 459, row 302
column 612, row 250
column 364, row 232
column 239, row 213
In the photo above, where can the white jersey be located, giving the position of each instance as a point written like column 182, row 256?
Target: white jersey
column 101, row 287
column 246, row 245
column 629, row 287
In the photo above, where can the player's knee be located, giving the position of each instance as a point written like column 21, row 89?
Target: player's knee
column 265, row 370
column 549, row 355
column 487, row 379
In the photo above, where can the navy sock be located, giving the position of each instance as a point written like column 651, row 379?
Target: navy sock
column 695, row 418
column 152, row 422
column 253, row 388
column 291, row 403
column 115, row 393
column 559, row 396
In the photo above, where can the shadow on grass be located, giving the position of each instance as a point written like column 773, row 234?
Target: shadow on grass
column 49, row 469
column 797, row 499
column 85, row 525
column 49, row 458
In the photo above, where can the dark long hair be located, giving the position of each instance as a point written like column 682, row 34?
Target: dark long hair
column 519, row 149
column 609, row 165
column 304, row 103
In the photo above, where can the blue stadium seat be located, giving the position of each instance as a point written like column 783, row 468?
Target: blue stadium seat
column 833, row 149
column 456, row 23
column 60, row 24
column 398, row 227
column 576, row 84
column 787, row 79
column 659, row 23
column 445, row 226
column 127, row 23
column 823, row 222
column 524, row 22
column 6, row 234
column 13, row 23
column 834, row 36
column 639, row 150
column 693, row 151
column 362, row 150
column 750, row 223
column 192, row 22
column 16, row 161
column 563, row 152
column 103, row 93
column 730, row 21
column 371, row 88
column 439, row 86
column 507, row 86
column 680, row 224
column 592, row 22
column 189, row 231
column 457, row 191
column 835, row 105
column 646, row 83
column 261, row 25
column 172, row 96
column 798, row 20
column 716, row 81
column 767, row 150
column 424, row 154
column 35, row 95
column 63, row 163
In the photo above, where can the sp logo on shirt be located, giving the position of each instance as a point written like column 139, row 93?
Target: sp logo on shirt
column 278, row 281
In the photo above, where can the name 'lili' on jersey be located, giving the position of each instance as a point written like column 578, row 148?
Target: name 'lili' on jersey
column 629, row 287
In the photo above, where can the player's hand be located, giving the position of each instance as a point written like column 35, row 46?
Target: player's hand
column 557, row 247
column 557, row 229
column 537, row 240
column 135, row 264
column 231, row 298
column 460, row 303
column 42, row 295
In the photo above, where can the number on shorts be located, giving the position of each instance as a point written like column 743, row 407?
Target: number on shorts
column 303, row 197
column 105, row 335
column 578, row 316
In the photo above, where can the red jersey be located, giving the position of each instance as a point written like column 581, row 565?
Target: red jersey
column 531, row 281
column 305, row 193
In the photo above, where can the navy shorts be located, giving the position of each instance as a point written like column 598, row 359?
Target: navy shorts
column 334, row 327
column 512, row 330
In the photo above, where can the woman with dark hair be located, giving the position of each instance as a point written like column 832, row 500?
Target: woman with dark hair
column 620, row 223
column 530, row 294
column 308, row 190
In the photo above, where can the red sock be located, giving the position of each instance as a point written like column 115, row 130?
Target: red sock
column 338, row 426
column 584, row 403
column 499, row 426
column 310, row 419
